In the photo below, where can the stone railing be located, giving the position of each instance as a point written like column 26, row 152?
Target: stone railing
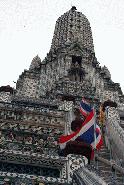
column 48, row 166
column 115, row 134
column 111, row 163
column 84, row 176
column 16, row 179
column 35, row 101
column 31, row 158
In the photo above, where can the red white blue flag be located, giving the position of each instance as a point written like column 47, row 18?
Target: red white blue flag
column 88, row 132
column 85, row 108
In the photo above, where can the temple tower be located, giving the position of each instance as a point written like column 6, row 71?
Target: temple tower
column 71, row 27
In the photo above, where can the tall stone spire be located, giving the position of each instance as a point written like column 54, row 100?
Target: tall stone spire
column 70, row 27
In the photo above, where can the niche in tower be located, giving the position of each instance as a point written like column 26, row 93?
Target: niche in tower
column 76, row 60
column 76, row 72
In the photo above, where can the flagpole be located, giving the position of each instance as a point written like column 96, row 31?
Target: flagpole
column 95, row 131
column 94, row 125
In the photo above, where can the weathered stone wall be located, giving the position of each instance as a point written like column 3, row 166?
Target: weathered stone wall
column 115, row 133
column 28, row 85
column 31, row 128
column 5, row 96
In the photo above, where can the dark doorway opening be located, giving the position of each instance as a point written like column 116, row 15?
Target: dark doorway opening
column 77, row 59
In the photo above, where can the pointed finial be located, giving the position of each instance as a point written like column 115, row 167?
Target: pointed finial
column 73, row 8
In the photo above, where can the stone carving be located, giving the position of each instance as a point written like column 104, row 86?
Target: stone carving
column 75, row 163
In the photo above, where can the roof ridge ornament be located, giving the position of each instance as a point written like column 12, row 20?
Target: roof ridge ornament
column 73, row 8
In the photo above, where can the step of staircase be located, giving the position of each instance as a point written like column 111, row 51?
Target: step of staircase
column 104, row 171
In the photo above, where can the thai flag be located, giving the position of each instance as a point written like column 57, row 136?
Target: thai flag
column 99, row 140
column 92, row 135
column 89, row 122
column 85, row 108
column 88, row 133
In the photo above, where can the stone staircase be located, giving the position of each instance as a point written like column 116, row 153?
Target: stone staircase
column 105, row 171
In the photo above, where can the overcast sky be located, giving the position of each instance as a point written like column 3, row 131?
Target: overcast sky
column 27, row 26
